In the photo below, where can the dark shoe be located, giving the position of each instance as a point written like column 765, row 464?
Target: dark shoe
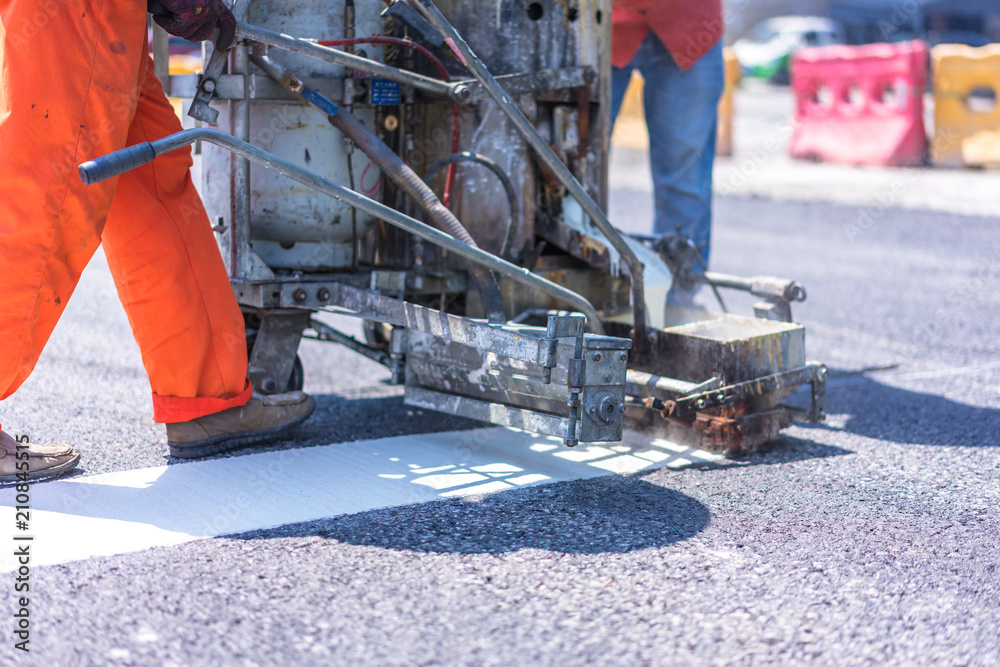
column 42, row 461
column 262, row 418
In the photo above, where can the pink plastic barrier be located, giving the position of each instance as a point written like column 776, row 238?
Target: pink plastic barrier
column 860, row 104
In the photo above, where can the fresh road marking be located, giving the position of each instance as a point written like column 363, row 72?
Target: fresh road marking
column 133, row 510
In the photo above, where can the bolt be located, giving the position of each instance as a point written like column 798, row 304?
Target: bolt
column 700, row 403
column 597, row 356
column 300, row 295
column 323, row 294
column 720, row 397
column 591, row 409
column 623, row 357
column 823, row 370
column 607, row 377
column 208, row 86
column 269, row 385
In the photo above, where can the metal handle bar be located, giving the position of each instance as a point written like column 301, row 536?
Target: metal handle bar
column 125, row 159
column 457, row 92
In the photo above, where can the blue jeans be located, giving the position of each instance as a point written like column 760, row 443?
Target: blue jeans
column 681, row 112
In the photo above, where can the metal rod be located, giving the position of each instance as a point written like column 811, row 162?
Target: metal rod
column 328, row 333
column 638, row 383
column 457, row 92
column 133, row 156
column 239, row 121
column 548, row 156
column 726, row 280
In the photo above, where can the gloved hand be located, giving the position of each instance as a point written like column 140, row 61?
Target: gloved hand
column 194, row 20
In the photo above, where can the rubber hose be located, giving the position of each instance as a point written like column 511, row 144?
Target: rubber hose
column 515, row 211
column 408, row 181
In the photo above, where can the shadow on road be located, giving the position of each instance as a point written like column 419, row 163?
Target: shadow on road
column 786, row 449
column 602, row 515
column 884, row 412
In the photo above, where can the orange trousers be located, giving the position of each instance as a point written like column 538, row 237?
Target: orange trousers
column 76, row 82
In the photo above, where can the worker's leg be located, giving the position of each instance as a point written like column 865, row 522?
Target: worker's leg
column 68, row 77
column 171, row 278
column 681, row 110
column 68, row 73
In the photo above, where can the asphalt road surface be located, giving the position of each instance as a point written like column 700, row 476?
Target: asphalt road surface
column 870, row 539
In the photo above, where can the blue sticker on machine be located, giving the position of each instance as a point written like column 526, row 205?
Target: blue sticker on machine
column 385, row 91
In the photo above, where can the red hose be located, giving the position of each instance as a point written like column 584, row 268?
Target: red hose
column 439, row 66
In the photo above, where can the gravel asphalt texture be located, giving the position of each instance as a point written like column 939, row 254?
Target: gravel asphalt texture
column 870, row 539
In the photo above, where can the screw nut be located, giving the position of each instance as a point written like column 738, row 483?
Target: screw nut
column 300, row 295
column 323, row 294
column 597, row 356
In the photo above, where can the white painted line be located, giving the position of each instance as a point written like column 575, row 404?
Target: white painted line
column 133, row 510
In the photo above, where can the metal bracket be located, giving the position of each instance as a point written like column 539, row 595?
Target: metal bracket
column 273, row 355
column 207, row 84
column 813, row 373
column 577, row 377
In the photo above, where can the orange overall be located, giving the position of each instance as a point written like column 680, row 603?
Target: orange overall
column 76, row 82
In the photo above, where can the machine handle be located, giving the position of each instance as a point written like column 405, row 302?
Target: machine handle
column 113, row 164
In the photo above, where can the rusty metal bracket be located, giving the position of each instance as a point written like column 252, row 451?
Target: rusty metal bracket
column 812, row 373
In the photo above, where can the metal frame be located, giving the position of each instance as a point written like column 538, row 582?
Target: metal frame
column 556, row 380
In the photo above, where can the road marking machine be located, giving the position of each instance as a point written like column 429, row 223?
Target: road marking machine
column 326, row 132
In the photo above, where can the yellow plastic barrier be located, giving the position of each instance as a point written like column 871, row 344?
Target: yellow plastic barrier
column 724, row 138
column 966, row 126
column 183, row 64
column 630, row 127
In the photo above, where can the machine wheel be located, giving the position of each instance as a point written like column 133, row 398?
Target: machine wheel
column 298, row 377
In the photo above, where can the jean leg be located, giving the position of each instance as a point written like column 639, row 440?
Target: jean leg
column 620, row 77
column 681, row 114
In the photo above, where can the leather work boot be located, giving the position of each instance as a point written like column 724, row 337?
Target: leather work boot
column 262, row 418
column 43, row 460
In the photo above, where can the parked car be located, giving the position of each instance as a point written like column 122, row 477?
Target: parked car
column 765, row 52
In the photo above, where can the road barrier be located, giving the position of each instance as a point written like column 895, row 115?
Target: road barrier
column 860, row 104
column 966, row 113
column 724, row 136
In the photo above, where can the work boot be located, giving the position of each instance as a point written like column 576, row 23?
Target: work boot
column 42, row 460
column 262, row 418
